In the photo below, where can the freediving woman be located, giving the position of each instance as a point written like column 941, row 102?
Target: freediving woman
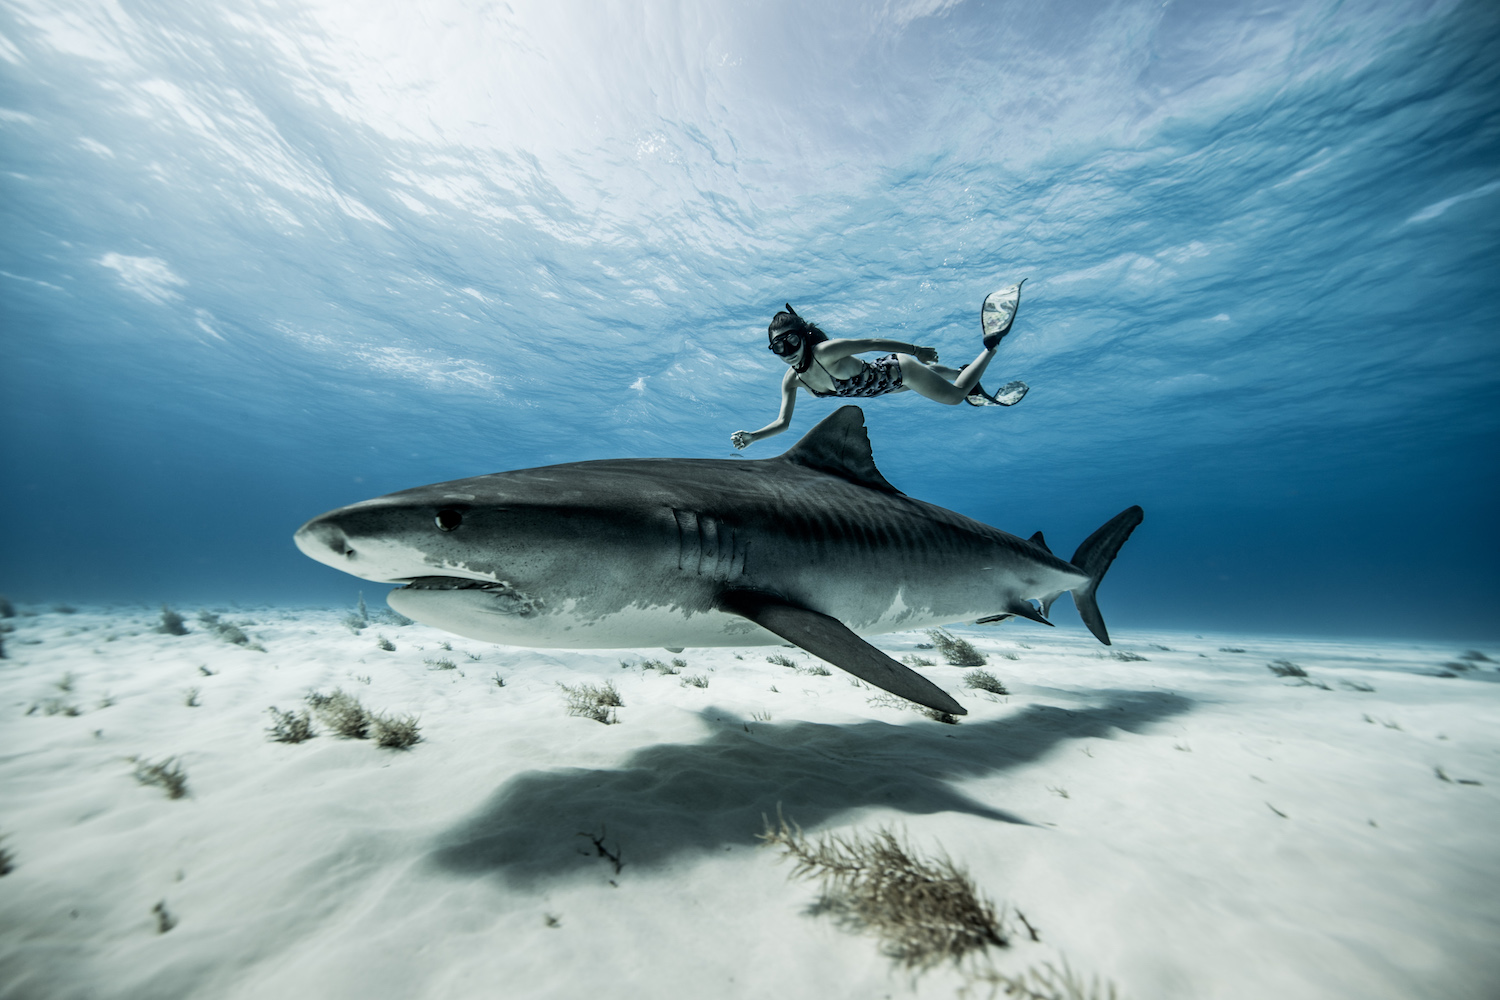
column 829, row 367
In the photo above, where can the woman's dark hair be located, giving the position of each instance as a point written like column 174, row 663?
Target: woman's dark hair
column 789, row 322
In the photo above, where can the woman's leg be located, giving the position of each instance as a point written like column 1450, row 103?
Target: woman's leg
column 975, row 370
column 934, row 382
column 918, row 377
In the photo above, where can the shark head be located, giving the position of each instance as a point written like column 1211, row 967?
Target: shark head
column 400, row 537
column 464, row 553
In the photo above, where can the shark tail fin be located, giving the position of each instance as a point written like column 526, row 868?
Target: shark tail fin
column 1093, row 558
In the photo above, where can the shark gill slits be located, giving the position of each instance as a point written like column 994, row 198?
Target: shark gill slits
column 447, row 519
column 687, row 538
column 708, row 543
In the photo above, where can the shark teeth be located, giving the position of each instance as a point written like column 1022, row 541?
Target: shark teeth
column 505, row 599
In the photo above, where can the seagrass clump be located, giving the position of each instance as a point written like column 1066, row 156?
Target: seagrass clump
column 289, row 727
column 167, row 775
column 958, row 652
column 1285, row 668
column 884, row 699
column 983, row 680
column 593, row 701
column 1043, row 982
column 228, row 631
column 342, row 713
column 924, row 910
column 171, row 622
column 662, row 668
column 395, row 732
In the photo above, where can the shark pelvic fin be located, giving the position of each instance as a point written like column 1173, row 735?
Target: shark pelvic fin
column 829, row 639
column 1024, row 609
column 840, row 446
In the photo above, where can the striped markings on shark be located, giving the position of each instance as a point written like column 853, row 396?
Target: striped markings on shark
column 813, row 547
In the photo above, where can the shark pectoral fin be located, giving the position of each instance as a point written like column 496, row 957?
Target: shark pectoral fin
column 831, row 640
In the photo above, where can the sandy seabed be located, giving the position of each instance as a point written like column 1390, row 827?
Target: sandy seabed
column 1169, row 816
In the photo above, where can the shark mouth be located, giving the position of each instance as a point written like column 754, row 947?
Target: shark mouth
column 507, row 600
column 455, row 583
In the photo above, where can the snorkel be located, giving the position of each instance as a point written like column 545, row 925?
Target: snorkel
column 793, row 336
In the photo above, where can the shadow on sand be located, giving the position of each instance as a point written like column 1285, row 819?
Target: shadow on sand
column 676, row 799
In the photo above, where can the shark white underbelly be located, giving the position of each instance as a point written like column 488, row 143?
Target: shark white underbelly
column 472, row 614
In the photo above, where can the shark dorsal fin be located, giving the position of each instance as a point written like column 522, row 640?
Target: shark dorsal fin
column 1040, row 542
column 839, row 446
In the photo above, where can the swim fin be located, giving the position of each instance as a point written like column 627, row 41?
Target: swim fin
column 998, row 313
column 1009, row 395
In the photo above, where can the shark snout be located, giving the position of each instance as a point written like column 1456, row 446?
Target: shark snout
column 353, row 545
column 325, row 542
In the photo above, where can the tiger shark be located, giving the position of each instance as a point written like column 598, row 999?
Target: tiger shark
column 812, row 547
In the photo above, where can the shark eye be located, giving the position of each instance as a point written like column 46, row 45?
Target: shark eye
column 448, row 519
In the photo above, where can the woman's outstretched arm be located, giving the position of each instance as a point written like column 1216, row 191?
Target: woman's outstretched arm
column 783, row 419
column 832, row 350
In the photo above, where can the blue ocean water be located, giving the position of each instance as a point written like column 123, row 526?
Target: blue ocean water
column 265, row 259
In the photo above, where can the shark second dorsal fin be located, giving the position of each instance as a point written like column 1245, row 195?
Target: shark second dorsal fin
column 839, row 446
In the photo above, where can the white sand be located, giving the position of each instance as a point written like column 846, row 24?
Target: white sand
column 1188, row 826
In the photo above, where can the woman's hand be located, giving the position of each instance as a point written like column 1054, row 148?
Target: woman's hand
column 741, row 439
column 926, row 355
